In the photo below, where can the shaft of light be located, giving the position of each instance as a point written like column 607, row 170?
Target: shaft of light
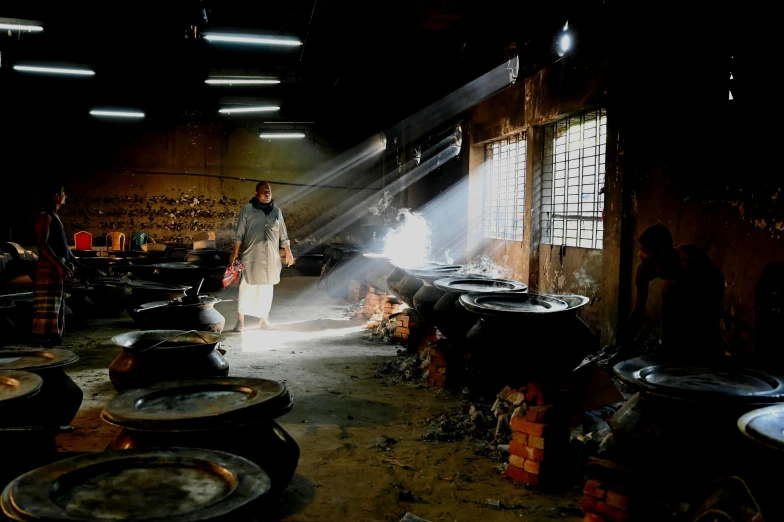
column 121, row 114
column 54, row 70
column 250, row 109
column 239, row 81
column 281, row 135
column 252, row 40
column 21, row 27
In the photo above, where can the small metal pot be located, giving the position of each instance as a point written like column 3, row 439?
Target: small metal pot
column 152, row 356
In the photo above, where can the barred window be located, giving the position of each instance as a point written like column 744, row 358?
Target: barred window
column 503, row 213
column 573, row 168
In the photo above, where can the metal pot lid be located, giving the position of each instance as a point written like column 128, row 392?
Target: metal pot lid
column 573, row 300
column 32, row 359
column 692, row 382
column 154, row 285
column 511, row 304
column 465, row 285
column 140, row 340
column 15, row 384
column 175, row 266
column 110, row 281
column 199, row 404
column 433, row 275
column 174, row 485
column 203, row 301
column 765, row 425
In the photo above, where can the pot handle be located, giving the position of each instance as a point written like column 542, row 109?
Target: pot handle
column 173, row 337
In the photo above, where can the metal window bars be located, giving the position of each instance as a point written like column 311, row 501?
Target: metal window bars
column 573, row 169
column 503, row 215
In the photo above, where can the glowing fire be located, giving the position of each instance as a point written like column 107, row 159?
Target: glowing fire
column 409, row 243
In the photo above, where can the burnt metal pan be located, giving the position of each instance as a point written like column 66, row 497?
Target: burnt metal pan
column 513, row 304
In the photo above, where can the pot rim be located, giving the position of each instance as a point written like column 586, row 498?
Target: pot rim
column 54, row 358
column 446, row 282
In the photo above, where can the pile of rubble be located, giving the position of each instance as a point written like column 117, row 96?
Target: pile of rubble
column 473, row 421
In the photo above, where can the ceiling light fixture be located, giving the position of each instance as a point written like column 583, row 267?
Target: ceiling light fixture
column 564, row 40
column 250, row 109
column 21, row 27
column 54, row 70
column 121, row 114
column 268, row 40
column 281, row 135
column 240, row 81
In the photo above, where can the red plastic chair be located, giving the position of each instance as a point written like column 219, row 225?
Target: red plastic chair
column 83, row 241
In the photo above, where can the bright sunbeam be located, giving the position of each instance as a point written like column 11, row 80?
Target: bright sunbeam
column 281, row 339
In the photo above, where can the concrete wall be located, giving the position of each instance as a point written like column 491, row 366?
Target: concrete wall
column 175, row 182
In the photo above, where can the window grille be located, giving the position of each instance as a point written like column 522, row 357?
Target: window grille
column 573, row 168
column 503, row 214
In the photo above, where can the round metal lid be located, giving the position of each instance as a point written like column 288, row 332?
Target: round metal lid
column 203, row 301
column 16, row 384
column 692, row 382
column 197, row 404
column 32, row 359
column 141, row 340
column 154, row 285
column 175, row 266
column 429, row 275
column 174, row 485
column 573, row 300
column 765, row 425
column 511, row 304
column 465, row 285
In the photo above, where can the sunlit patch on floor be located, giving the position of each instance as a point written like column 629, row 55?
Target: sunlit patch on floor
column 285, row 335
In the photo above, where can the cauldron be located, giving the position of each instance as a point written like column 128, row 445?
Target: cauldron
column 173, row 484
column 17, row 391
column 229, row 414
column 180, row 314
column 408, row 284
column 428, row 295
column 309, row 264
column 152, row 356
column 60, row 397
column 453, row 320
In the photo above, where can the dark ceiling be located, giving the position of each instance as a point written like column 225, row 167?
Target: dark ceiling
column 364, row 66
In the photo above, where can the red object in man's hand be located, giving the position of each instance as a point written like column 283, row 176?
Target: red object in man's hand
column 232, row 273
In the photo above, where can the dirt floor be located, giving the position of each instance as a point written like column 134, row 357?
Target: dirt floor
column 360, row 438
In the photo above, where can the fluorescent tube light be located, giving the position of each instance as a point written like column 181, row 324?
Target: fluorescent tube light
column 21, row 27
column 54, row 70
column 269, row 40
column 281, row 135
column 250, row 109
column 121, row 114
column 239, row 81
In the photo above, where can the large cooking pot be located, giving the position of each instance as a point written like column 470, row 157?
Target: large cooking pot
column 230, row 414
column 408, row 285
column 453, row 320
column 151, row 291
column 309, row 264
column 152, row 356
column 173, row 484
column 181, row 314
column 60, row 397
column 428, row 295
column 17, row 391
column 208, row 257
column 100, row 297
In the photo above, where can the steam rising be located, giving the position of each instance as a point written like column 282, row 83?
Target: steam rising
column 409, row 243
column 383, row 204
column 485, row 267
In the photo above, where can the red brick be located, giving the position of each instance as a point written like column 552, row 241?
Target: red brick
column 517, row 461
column 516, row 398
column 592, row 517
column 521, row 475
column 536, row 442
column 615, row 515
column 516, row 422
column 435, row 384
column 438, row 377
column 526, row 452
column 588, row 504
column 402, row 330
column 617, row 500
column 531, row 466
column 520, row 438
column 534, row 429
column 441, row 369
column 540, row 414
column 438, row 361
column 595, row 489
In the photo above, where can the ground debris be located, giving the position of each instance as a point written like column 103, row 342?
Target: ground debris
column 471, row 421
column 404, row 369
column 410, row 517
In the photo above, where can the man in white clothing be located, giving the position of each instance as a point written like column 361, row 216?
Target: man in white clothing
column 261, row 233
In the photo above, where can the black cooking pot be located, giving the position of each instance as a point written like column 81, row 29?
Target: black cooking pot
column 309, row 264
column 185, row 314
column 152, row 356
column 453, row 320
column 408, row 285
column 428, row 295
column 18, row 390
column 173, row 484
column 229, row 414
column 59, row 397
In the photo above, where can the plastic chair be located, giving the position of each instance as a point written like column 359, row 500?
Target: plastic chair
column 113, row 238
column 83, row 241
column 138, row 239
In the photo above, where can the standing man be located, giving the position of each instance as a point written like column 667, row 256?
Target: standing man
column 692, row 294
column 261, row 233
column 55, row 266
